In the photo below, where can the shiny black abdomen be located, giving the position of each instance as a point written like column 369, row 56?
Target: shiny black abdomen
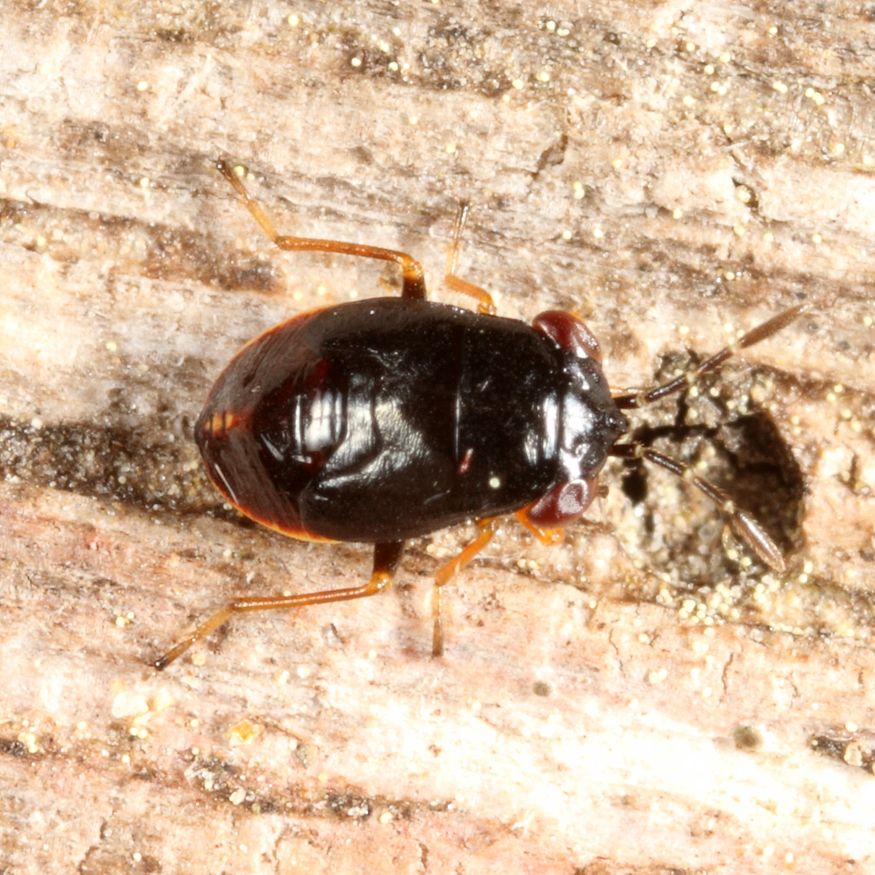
column 389, row 418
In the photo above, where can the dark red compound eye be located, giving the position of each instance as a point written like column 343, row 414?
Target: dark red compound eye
column 570, row 332
column 562, row 504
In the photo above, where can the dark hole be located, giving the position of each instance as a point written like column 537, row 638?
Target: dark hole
column 767, row 480
column 634, row 483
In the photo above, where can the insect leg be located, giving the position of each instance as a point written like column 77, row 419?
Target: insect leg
column 413, row 282
column 549, row 537
column 755, row 335
column 386, row 557
column 750, row 530
column 456, row 283
column 487, row 530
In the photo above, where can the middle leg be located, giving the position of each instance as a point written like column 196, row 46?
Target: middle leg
column 487, row 530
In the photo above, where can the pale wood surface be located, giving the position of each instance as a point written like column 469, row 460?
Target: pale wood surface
column 633, row 701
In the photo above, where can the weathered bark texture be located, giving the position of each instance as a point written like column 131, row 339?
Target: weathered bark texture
column 643, row 698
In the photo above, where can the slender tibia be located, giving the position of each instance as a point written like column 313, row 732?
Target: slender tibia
column 487, row 530
column 386, row 558
column 456, row 283
column 413, row 278
column 548, row 537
